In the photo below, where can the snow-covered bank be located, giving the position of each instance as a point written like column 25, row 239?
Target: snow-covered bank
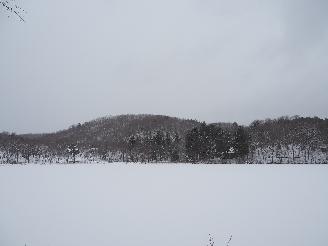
column 132, row 204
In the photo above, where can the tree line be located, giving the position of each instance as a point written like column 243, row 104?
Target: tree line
column 150, row 139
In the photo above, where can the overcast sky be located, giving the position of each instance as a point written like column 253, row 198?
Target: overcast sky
column 212, row 60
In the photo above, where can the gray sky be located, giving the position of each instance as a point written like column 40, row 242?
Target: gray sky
column 212, row 60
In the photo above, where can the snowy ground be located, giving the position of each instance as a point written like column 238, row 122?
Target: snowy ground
column 163, row 205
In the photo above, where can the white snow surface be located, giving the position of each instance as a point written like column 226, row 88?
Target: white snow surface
column 163, row 205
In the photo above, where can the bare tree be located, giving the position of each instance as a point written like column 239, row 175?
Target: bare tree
column 73, row 150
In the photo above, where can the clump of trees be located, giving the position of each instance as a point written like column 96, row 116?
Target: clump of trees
column 157, row 146
column 14, row 147
column 207, row 143
column 289, row 140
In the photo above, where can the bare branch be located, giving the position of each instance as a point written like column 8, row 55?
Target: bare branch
column 13, row 8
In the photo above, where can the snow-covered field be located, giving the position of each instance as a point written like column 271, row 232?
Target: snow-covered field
column 163, row 205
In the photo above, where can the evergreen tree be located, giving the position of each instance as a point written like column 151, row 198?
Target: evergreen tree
column 192, row 145
column 241, row 142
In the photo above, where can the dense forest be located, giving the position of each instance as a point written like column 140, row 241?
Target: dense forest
column 157, row 138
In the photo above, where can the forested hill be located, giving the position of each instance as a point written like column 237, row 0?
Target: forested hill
column 113, row 129
column 157, row 138
column 107, row 138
